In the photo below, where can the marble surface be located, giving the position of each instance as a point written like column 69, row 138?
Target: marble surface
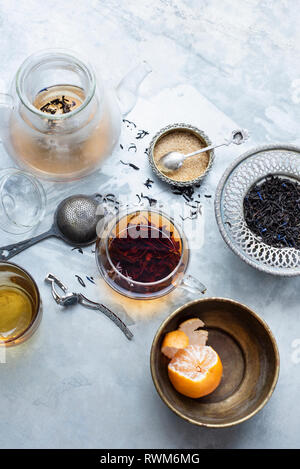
column 78, row 383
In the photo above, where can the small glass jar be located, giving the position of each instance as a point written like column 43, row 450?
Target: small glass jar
column 148, row 225
column 20, row 305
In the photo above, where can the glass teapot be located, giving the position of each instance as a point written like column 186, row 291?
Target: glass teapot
column 60, row 121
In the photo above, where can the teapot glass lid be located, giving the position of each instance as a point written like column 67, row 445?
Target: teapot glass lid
column 22, row 201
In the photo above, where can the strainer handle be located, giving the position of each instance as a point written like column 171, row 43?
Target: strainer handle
column 11, row 250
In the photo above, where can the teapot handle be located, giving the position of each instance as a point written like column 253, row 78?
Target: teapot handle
column 127, row 90
column 6, row 106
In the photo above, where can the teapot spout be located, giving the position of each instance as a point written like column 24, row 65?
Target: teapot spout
column 6, row 106
column 127, row 90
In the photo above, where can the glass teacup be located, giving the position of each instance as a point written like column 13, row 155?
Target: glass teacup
column 20, row 305
column 143, row 254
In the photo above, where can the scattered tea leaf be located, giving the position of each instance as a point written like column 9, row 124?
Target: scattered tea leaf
column 78, row 249
column 90, row 279
column 131, row 165
column 141, row 134
column 80, row 281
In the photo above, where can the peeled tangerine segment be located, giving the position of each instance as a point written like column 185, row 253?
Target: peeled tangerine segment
column 193, row 329
column 195, row 371
column 173, row 342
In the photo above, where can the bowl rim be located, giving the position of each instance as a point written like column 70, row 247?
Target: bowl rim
column 217, row 204
column 252, row 313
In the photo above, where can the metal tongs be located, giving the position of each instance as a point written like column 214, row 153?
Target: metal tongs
column 78, row 298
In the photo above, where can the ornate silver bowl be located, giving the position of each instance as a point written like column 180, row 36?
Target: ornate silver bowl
column 250, row 168
column 180, row 126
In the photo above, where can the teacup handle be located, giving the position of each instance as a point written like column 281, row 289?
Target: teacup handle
column 192, row 284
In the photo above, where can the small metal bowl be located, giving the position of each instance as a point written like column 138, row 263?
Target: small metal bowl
column 166, row 130
column 250, row 358
column 249, row 169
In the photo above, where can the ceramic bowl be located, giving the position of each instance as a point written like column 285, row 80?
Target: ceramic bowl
column 250, row 360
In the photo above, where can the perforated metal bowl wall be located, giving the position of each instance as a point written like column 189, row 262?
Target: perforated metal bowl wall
column 244, row 172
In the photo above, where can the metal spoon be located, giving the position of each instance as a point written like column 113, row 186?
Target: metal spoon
column 78, row 298
column 75, row 222
column 173, row 160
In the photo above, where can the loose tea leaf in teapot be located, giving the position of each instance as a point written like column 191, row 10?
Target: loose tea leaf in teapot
column 59, row 99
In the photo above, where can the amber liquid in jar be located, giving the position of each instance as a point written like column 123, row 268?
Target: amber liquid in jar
column 57, row 152
column 20, row 307
column 16, row 312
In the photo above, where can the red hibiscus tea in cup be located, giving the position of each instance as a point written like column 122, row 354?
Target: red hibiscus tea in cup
column 145, row 252
column 142, row 254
